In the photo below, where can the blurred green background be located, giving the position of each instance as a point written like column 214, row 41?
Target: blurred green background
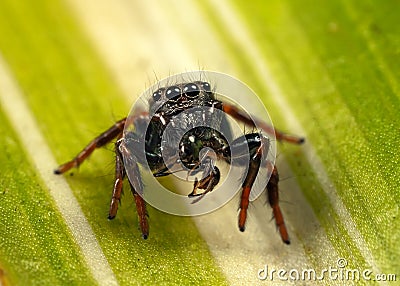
column 327, row 70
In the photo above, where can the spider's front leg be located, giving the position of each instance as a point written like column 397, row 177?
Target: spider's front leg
column 257, row 145
column 136, row 185
column 256, row 148
column 118, row 183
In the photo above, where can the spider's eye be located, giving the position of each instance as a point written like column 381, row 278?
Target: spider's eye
column 191, row 90
column 204, row 86
column 158, row 93
column 173, row 92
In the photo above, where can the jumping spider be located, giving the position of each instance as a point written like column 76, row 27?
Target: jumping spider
column 164, row 104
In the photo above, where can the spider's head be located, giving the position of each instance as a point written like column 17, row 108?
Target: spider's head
column 181, row 96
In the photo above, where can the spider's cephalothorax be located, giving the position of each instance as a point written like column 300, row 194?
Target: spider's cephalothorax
column 165, row 106
column 185, row 128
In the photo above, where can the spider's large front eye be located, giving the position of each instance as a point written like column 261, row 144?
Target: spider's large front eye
column 173, row 92
column 158, row 93
column 191, row 90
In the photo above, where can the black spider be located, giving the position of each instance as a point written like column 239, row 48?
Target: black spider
column 165, row 104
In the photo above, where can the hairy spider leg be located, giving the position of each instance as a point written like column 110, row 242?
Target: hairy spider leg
column 142, row 213
column 136, row 184
column 101, row 140
column 254, row 166
column 104, row 138
column 244, row 117
column 259, row 145
column 273, row 198
column 118, row 183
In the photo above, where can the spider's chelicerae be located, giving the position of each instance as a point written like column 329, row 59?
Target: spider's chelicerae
column 164, row 105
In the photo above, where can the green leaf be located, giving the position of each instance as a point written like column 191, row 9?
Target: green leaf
column 329, row 71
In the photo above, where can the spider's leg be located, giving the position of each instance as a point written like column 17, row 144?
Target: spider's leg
column 273, row 198
column 142, row 213
column 247, row 149
column 101, row 140
column 118, row 184
column 136, row 184
column 254, row 166
column 245, row 118
column 257, row 145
